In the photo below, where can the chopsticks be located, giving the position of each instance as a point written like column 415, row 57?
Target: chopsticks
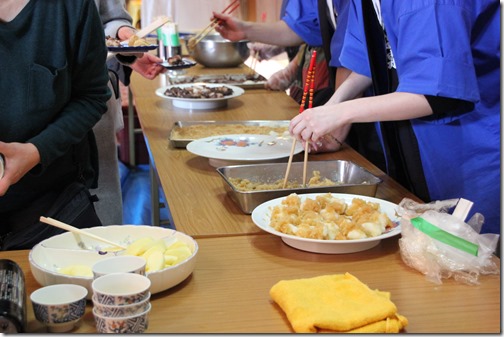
column 230, row 8
column 308, row 88
column 67, row 227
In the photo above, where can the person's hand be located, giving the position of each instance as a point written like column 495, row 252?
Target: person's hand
column 263, row 51
column 148, row 66
column 321, row 126
column 230, row 28
column 283, row 79
column 19, row 159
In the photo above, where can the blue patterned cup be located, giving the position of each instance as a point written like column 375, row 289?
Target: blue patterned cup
column 120, row 310
column 59, row 306
column 120, row 288
column 126, row 324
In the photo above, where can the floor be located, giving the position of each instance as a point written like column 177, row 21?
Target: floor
column 135, row 181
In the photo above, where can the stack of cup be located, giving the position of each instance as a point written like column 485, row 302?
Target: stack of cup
column 121, row 295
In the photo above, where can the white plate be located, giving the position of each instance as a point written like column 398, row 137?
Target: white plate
column 262, row 213
column 200, row 103
column 243, row 148
column 62, row 250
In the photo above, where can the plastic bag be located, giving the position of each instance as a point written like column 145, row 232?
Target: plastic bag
column 441, row 245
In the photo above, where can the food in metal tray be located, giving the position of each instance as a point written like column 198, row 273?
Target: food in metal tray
column 198, row 131
column 242, row 184
column 199, row 91
column 329, row 218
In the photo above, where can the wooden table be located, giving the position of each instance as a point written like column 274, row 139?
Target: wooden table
column 228, row 291
column 194, row 191
column 237, row 263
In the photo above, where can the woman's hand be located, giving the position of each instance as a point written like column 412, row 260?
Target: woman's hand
column 19, row 159
column 230, row 28
column 148, row 66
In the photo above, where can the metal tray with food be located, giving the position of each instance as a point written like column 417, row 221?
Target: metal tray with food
column 184, row 132
column 251, row 81
column 251, row 185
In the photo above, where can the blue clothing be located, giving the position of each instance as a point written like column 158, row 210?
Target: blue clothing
column 302, row 17
column 446, row 48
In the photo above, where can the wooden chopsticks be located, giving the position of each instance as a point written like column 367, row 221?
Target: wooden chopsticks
column 230, row 8
column 308, row 88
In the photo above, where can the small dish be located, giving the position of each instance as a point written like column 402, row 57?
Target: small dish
column 121, row 288
column 106, row 310
column 186, row 63
column 126, row 324
column 262, row 213
column 125, row 49
column 119, row 264
column 243, row 148
column 200, row 103
column 60, row 307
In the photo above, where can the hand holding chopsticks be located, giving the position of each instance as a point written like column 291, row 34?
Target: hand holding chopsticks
column 308, row 88
column 198, row 37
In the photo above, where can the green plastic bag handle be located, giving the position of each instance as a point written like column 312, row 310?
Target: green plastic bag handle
column 445, row 237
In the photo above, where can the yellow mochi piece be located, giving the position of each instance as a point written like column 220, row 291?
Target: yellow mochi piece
column 336, row 303
column 77, row 270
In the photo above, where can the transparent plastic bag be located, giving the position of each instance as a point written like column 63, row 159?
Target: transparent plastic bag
column 441, row 245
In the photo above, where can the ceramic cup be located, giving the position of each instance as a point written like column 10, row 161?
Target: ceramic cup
column 128, row 324
column 119, row 264
column 120, row 288
column 59, row 306
column 121, row 310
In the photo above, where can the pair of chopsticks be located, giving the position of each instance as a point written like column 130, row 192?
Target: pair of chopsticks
column 253, row 64
column 228, row 10
column 308, row 89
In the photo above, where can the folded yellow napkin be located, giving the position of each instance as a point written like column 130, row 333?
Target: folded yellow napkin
column 336, row 303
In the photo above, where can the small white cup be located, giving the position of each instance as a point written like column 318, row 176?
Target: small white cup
column 119, row 264
column 120, row 288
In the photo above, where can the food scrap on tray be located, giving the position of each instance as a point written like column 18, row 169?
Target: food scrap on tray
column 243, row 184
column 199, row 91
column 329, row 218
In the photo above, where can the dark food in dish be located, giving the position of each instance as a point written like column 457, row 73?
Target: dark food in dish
column 199, row 91
column 175, row 61
column 112, row 42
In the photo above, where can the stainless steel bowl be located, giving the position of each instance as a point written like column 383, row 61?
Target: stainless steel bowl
column 214, row 51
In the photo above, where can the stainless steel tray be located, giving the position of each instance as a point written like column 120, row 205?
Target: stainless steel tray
column 350, row 179
column 179, row 142
column 244, row 81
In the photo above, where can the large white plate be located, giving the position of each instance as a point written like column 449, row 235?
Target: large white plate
column 243, row 148
column 52, row 254
column 200, row 103
column 262, row 213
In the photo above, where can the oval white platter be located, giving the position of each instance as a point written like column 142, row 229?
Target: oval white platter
column 200, row 103
column 262, row 213
column 243, row 148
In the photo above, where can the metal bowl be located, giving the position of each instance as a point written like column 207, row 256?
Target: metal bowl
column 214, row 51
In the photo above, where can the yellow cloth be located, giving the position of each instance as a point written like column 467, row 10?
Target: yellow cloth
column 336, row 303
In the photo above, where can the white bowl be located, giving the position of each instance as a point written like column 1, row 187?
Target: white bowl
column 59, row 306
column 50, row 255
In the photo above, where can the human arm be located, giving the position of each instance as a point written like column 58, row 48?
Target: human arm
column 336, row 118
column 276, row 33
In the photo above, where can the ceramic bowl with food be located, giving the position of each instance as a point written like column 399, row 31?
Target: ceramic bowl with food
column 137, row 323
column 60, row 307
column 214, row 51
column 51, row 259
